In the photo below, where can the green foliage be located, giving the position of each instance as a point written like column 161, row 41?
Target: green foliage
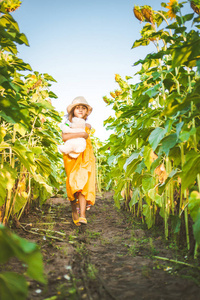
column 155, row 143
column 194, row 208
column 103, row 180
column 13, row 285
column 29, row 131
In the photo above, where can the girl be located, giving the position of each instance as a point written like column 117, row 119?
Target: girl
column 80, row 171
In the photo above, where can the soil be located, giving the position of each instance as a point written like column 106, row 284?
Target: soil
column 114, row 256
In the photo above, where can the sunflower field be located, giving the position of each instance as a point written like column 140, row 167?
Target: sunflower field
column 30, row 165
column 28, row 126
column 152, row 158
column 154, row 150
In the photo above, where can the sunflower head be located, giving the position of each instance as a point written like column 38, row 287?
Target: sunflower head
column 11, row 5
column 173, row 7
column 195, row 5
column 137, row 13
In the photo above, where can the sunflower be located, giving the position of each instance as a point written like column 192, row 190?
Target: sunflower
column 173, row 7
column 137, row 13
column 195, row 6
column 11, row 5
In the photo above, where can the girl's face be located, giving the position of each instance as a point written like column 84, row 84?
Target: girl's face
column 80, row 111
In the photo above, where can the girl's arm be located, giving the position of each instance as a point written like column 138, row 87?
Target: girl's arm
column 68, row 136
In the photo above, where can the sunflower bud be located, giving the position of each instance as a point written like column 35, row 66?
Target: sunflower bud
column 105, row 99
column 42, row 119
column 148, row 14
column 195, row 7
column 112, row 94
column 11, row 5
column 137, row 13
column 117, row 77
column 118, row 93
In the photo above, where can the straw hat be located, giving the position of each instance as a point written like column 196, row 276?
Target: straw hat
column 78, row 101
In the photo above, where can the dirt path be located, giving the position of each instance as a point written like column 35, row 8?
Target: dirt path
column 110, row 258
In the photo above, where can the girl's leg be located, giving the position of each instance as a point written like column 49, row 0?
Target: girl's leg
column 75, row 215
column 82, row 203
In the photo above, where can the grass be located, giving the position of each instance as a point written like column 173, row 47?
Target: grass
column 91, row 271
column 72, row 238
column 132, row 250
column 92, row 234
column 81, row 249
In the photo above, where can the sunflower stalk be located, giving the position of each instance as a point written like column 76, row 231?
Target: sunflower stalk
column 28, row 196
column 8, row 203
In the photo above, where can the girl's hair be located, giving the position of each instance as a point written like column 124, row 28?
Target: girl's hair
column 71, row 114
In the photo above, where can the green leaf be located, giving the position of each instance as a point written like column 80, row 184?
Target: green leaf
column 140, row 167
column 2, row 134
column 175, row 223
column 186, row 53
column 196, row 229
column 121, row 162
column 185, row 135
column 178, row 128
column 8, row 45
column 13, row 245
column 148, row 182
column 117, row 197
column 180, row 29
column 174, row 173
column 172, row 26
column 22, row 39
column 135, row 197
column 2, row 79
column 147, row 156
column 190, row 169
column 52, row 95
column 20, row 201
column 132, row 167
column 111, row 159
column 15, row 87
column 129, row 160
column 168, row 142
column 38, row 178
column 7, row 180
column 43, row 166
column 194, row 205
column 198, row 65
column 35, row 266
column 156, row 136
column 155, row 197
column 141, row 42
column 20, row 64
column 153, row 91
column 38, row 150
column 49, row 77
column 13, row 286
column 8, row 21
column 20, row 128
column 24, row 155
column 148, row 213
column 188, row 17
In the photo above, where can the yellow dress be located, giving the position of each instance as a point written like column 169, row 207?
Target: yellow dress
column 81, row 173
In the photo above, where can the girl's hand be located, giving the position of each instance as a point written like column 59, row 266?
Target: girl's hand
column 69, row 136
column 85, row 135
column 88, row 125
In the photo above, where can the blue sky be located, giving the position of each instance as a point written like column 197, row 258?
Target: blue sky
column 82, row 44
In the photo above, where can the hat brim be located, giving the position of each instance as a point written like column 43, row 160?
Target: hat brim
column 71, row 106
